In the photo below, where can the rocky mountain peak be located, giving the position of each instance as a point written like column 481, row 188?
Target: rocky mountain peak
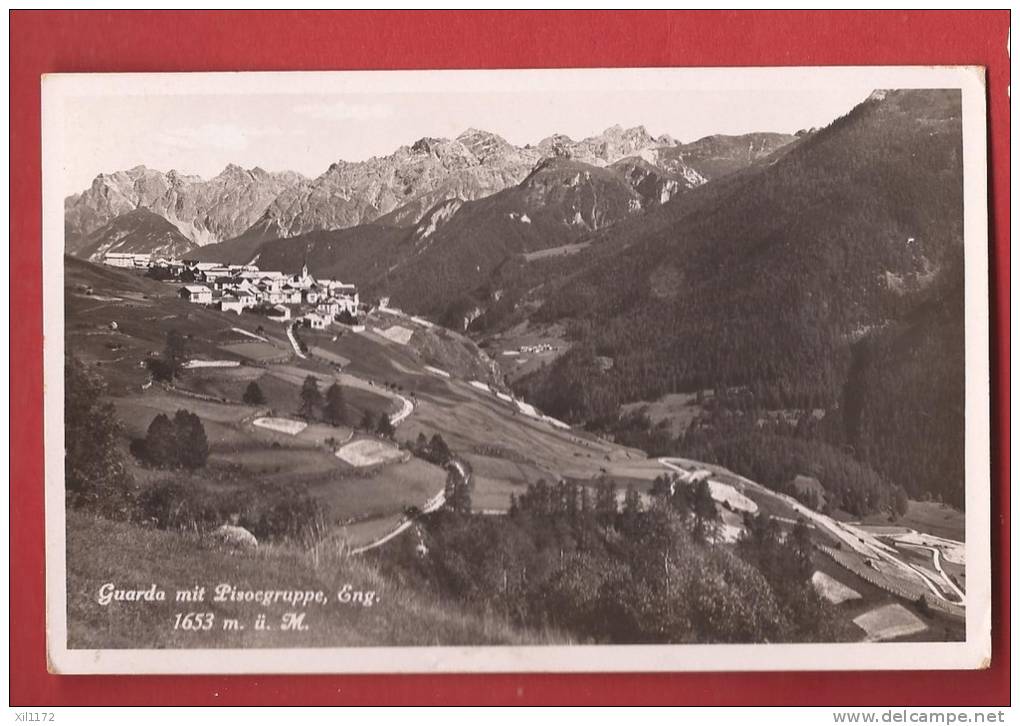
column 484, row 144
column 426, row 144
column 234, row 171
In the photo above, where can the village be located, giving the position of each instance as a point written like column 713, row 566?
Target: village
column 316, row 303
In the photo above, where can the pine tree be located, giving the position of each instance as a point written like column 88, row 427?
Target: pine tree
column 704, row 511
column 605, row 502
column 661, row 486
column 439, row 452
column 160, row 444
column 801, row 544
column 311, row 398
column 192, row 444
column 253, row 395
column 631, row 511
column 336, row 406
column 174, row 353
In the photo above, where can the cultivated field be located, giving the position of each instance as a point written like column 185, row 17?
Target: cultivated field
column 358, row 495
column 281, row 425
column 507, row 347
column 832, row 589
column 369, row 452
column 890, row 622
column 678, row 410
column 935, row 518
column 257, row 351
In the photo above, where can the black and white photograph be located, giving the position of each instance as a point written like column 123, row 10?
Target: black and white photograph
column 619, row 369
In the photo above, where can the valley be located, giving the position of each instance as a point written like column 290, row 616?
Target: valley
column 367, row 484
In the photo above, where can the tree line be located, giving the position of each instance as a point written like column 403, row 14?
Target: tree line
column 632, row 569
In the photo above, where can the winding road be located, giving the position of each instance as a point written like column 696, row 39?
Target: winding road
column 858, row 540
column 437, row 501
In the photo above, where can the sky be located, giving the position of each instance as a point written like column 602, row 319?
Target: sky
column 308, row 127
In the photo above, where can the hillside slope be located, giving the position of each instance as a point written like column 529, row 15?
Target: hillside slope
column 139, row 231
column 101, row 551
column 714, row 156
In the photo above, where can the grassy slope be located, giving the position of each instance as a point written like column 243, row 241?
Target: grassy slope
column 129, row 556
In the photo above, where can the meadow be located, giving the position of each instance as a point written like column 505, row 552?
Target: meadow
column 100, row 551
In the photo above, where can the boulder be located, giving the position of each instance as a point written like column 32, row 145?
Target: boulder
column 236, row 537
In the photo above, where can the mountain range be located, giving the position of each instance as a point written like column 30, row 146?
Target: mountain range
column 255, row 206
column 204, row 211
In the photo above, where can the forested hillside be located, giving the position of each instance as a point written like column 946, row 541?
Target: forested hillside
column 760, row 284
column 904, row 402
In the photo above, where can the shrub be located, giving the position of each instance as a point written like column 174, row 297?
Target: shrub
column 94, row 471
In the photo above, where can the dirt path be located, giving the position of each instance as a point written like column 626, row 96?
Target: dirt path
column 293, row 342
column 242, row 331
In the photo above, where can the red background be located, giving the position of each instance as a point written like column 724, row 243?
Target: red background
column 46, row 42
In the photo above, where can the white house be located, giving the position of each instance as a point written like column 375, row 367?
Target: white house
column 231, row 304
column 291, row 295
column 317, row 321
column 245, row 285
column 119, row 259
column 215, row 273
column 348, row 304
column 202, row 266
column 280, row 312
column 126, row 259
column 329, row 307
column 336, row 305
column 196, row 294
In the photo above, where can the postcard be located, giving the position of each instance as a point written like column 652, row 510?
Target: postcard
column 519, row 370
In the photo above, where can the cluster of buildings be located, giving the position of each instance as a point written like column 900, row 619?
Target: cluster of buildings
column 127, row 259
column 236, row 288
column 534, row 349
